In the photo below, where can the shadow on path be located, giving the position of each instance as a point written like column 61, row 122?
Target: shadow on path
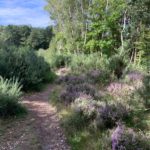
column 46, row 121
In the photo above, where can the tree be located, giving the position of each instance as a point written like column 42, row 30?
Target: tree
column 22, row 36
column 105, row 26
column 70, row 17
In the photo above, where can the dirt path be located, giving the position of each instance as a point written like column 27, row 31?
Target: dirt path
column 39, row 130
column 46, row 121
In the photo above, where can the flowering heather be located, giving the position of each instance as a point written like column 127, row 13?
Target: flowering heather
column 76, row 85
column 68, row 97
column 81, row 88
column 116, row 135
column 109, row 115
column 94, row 75
column 119, row 88
column 134, row 76
column 87, row 107
column 74, row 91
column 127, row 139
column 70, row 79
column 84, row 96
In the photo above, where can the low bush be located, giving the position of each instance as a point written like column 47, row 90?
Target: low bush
column 117, row 65
column 75, row 121
column 102, row 77
column 86, row 106
column 55, row 59
column 24, row 64
column 83, row 63
column 74, row 91
column 134, row 76
column 110, row 114
column 10, row 92
column 127, row 139
column 94, row 75
column 60, row 60
column 144, row 91
column 71, row 79
column 81, row 88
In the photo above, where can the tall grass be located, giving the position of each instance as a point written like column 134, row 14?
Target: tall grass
column 10, row 93
column 10, row 87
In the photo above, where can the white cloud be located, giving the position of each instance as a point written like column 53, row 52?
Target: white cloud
column 28, row 12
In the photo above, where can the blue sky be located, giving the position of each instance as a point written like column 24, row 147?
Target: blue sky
column 24, row 12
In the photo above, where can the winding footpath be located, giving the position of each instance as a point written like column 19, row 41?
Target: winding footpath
column 39, row 130
column 46, row 121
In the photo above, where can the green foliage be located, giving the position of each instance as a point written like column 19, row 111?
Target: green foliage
column 143, row 45
column 117, row 65
column 85, row 62
column 108, row 27
column 87, row 107
column 70, row 30
column 145, row 91
column 10, row 87
column 10, row 92
column 104, row 30
column 56, row 59
column 60, row 60
column 39, row 38
column 24, row 64
column 76, row 121
column 26, row 36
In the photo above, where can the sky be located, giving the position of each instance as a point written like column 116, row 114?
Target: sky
column 24, row 12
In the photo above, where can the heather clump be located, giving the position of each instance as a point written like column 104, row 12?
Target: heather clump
column 104, row 115
column 82, row 88
column 134, row 76
column 94, row 75
column 126, row 139
column 110, row 114
column 75, row 87
column 71, row 79
column 118, row 88
column 144, row 91
column 135, row 79
column 86, row 106
column 74, row 91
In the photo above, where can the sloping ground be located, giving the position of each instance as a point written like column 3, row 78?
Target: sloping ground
column 40, row 130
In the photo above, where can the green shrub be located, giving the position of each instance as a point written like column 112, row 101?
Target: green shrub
column 84, row 62
column 75, row 121
column 24, row 64
column 10, row 92
column 60, row 60
column 145, row 91
column 117, row 65
column 87, row 107
column 55, row 59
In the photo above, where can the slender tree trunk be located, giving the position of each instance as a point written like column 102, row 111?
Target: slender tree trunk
column 123, row 30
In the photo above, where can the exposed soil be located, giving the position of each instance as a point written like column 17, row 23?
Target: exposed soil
column 40, row 130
